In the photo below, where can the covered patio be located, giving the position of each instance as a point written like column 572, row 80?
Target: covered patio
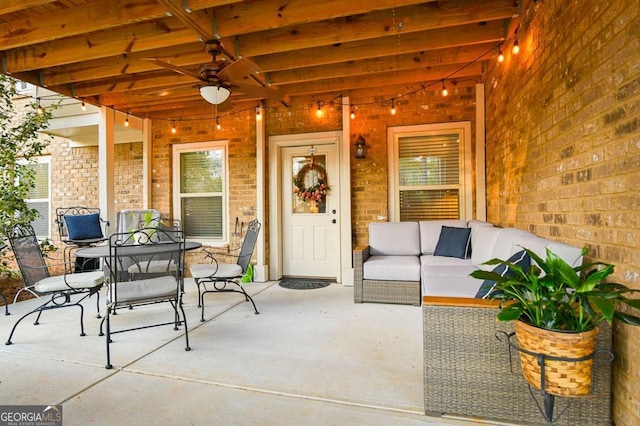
column 550, row 147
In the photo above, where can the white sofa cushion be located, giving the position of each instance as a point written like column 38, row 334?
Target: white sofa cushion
column 430, row 232
column 570, row 254
column 451, row 286
column 392, row 268
column 394, row 239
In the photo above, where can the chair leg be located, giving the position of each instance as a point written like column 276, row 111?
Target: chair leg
column 15, row 298
column 186, row 328
column 6, row 304
column 108, row 366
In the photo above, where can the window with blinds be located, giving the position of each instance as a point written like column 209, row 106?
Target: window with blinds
column 201, row 180
column 429, row 177
column 38, row 197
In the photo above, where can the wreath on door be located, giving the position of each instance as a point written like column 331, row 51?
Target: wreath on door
column 311, row 183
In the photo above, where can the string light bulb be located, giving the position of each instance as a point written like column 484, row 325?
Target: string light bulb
column 319, row 112
column 500, row 55
column 258, row 114
column 218, row 126
column 126, row 121
column 353, row 113
column 173, row 128
column 445, row 92
column 83, row 107
column 516, row 46
column 393, row 107
column 39, row 109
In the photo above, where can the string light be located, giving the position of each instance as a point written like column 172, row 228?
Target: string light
column 516, row 46
column 83, row 107
column 39, row 109
column 353, row 113
column 393, row 107
column 319, row 112
column 126, row 121
column 173, row 127
column 445, row 92
column 258, row 114
column 218, row 126
column 500, row 55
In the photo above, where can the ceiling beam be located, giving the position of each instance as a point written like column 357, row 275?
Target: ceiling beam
column 10, row 6
column 94, row 16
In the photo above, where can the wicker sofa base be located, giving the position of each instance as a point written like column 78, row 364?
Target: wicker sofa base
column 402, row 292
column 467, row 369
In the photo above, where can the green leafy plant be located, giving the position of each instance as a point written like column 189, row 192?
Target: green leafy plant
column 20, row 144
column 553, row 295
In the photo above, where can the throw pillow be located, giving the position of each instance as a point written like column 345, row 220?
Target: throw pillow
column 520, row 258
column 453, row 242
column 83, row 227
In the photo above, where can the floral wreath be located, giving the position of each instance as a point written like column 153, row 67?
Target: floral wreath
column 316, row 192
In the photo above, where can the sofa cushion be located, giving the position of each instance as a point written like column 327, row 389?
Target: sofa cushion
column 570, row 254
column 453, row 242
column 430, row 232
column 520, row 258
column 392, row 268
column 394, row 239
column 451, row 286
column 83, row 226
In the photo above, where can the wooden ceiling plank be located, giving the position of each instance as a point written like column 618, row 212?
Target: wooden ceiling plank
column 382, row 79
column 432, row 58
column 383, row 46
column 10, row 6
column 397, row 22
column 122, row 41
column 94, row 16
column 248, row 17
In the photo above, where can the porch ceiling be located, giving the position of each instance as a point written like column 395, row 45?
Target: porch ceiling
column 93, row 50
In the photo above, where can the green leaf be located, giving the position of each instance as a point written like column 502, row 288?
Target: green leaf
column 511, row 312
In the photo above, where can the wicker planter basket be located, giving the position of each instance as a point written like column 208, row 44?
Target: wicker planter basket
column 562, row 378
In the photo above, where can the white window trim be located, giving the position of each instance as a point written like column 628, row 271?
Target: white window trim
column 463, row 128
column 47, row 160
column 199, row 146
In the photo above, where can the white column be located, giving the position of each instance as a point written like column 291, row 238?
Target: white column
column 147, row 175
column 106, row 161
column 346, row 261
column 481, row 180
column 261, row 271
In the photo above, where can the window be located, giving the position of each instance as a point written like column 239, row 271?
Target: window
column 39, row 197
column 430, row 172
column 200, row 190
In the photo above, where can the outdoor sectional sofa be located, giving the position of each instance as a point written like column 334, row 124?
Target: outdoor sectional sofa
column 468, row 369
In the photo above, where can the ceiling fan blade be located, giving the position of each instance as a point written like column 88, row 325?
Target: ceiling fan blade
column 238, row 69
column 172, row 67
column 257, row 91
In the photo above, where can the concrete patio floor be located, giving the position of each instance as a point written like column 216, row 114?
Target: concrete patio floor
column 310, row 357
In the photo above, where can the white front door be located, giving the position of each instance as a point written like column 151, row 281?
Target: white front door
column 310, row 201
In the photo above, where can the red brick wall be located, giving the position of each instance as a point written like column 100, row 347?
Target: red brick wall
column 563, row 151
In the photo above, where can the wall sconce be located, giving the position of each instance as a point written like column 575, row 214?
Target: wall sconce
column 361, row 147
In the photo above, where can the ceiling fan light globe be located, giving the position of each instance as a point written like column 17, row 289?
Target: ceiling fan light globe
column 215, row 94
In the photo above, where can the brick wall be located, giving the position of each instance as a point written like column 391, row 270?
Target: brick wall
column 369, row 177
column 563, row 145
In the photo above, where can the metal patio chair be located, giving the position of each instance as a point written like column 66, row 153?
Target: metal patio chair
column 80, row 226
column 142, row 285
column 225, row 277
column 60, row 289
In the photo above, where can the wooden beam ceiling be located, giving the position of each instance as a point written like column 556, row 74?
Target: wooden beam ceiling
column 95, row 50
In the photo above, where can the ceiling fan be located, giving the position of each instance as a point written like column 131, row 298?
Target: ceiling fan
column 221, row 77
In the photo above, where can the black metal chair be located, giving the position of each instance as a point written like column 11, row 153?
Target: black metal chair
column 80, row 227
column 59, row 289
column 219, row 274
column 134, row 283
column 3, row 246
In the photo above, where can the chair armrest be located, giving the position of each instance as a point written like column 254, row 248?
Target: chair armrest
column 460, row 302
column 360, row 255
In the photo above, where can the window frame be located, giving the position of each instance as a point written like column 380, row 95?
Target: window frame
column 178, row 149
column 465, row 185
column 47, row 219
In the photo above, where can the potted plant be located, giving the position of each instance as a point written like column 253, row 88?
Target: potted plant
column 553, row 303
